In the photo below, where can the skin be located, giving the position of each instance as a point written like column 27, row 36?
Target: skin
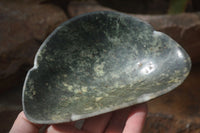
column 128, row 120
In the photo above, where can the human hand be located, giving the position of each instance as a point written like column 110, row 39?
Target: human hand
column 128, row 120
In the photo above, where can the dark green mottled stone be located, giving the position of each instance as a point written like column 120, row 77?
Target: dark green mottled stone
column 99, row 62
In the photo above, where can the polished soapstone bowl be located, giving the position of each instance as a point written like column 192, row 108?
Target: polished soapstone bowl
column 100, row 62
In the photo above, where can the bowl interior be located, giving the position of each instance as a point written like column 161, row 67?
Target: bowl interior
column 99, row 62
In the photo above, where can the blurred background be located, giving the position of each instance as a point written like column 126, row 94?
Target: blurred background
column 24, row 25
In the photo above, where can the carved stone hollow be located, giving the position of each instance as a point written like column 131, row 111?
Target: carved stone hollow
column 100, row 62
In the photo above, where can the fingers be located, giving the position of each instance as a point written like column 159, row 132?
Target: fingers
column 22, row 125
column 91, row 125
column 129, row 120
column 97, row 124
column 118, row 120
column 135, row 122
column 63, row 128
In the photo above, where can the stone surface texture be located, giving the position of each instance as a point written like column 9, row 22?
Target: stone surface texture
column 177, row 111
column 101, row 62
column 183, row 28
column 181, row 117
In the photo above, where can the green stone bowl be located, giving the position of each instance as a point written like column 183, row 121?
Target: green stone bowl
column 100, row 62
